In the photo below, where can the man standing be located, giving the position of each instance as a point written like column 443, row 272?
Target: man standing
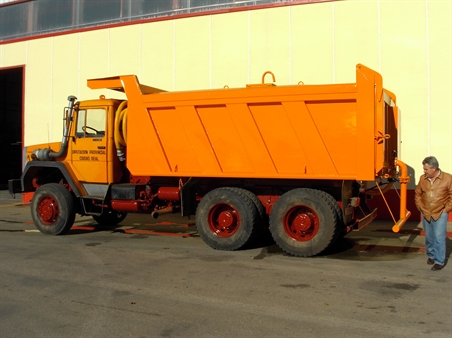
column 433, row 198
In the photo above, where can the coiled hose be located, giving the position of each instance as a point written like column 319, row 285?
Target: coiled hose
column 120, row 134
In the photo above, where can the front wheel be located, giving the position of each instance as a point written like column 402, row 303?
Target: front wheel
column 303, row 222
column 53, row 209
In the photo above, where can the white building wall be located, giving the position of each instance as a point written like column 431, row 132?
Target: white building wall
column 408, row 42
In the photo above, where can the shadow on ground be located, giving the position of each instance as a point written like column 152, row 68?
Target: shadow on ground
column 375, row 242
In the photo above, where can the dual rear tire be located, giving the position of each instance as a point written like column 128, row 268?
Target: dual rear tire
column 303, row 222
column 226, row 218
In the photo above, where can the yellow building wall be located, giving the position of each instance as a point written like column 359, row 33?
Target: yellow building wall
column 39, row 113
column 408, row 42
column 439, row 99
column 158, row 54
column 229, row 50
column 403, row 54
column 62, row 71
column 356, row 30
column 312, row 44
column 93, row 50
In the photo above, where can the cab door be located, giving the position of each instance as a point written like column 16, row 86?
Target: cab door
column 89, row 145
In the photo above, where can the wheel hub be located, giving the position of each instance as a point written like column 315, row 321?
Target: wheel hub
column 48, row 210
column 226, row 219
column 301, row 223
column 223, row 220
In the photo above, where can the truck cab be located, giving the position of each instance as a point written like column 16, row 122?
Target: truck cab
column 91, row 148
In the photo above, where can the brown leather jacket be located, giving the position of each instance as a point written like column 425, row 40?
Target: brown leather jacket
column 434, row 199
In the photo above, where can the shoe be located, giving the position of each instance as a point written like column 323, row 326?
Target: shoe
column 430, row 261
column 437, row 267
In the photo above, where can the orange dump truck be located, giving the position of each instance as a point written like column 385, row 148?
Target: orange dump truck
column 292, row 160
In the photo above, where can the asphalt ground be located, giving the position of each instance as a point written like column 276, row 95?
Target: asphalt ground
column 157, row 278
column 377, row 237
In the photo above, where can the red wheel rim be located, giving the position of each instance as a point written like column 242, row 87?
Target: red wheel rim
column 301, row 223
column 48, row 210
column 223, row 220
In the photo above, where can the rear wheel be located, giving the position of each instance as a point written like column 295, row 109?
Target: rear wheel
column 226, row 218
column 53, row 209
column 303, row 222
column 340, row 227
column 262, row 215
column 262, row 233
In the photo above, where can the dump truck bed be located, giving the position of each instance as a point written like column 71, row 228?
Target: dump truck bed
column 343, row 131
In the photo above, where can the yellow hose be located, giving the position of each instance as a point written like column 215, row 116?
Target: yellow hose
column 120, row 134
column 124, row 126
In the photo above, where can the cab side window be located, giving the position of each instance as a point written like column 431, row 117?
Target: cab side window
column 91, row 122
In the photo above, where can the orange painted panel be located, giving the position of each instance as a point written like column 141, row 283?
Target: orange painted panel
column 199, row 141
column 335, row 123
column 280, row 138
column 264, row 131
column 89, row 160
column 319, row 159
column 173, row 138
column 145, row 155
column 251, row 138
column 225, row 140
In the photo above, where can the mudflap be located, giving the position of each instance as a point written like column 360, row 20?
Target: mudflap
column 362, row 217
column 365, row 221
column 14, row 186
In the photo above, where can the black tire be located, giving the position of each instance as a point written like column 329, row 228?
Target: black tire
column 340, row 227
column 262, row 228
column 53, row 209
column 110, row 218
column 303, row 222
column 226, row 218
column 262, row 215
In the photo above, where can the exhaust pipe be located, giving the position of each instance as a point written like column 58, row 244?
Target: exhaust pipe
column 157, row 213
column 47, row 154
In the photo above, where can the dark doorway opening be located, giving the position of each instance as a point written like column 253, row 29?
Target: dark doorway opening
column 11, row 114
